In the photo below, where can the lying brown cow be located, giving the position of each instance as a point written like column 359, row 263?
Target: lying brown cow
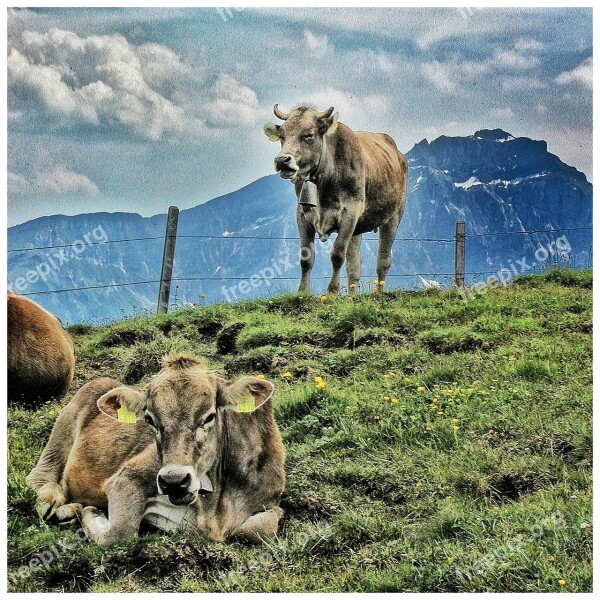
column 41, row 359
column 203, row 454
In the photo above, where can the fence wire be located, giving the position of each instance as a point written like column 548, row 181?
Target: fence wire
column 276, row 238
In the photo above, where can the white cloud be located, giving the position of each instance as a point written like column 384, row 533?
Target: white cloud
column 355, row 110
column 518, row 83
column 439, row 75
column 504, row 112
column 57, row 181
column 319, row 45
column 448, row 76
column 581, row 75
column 231, row 103
column 515, row 60
column 103, row 80
column 17, row 184
column 524, row 44
column 452, row 75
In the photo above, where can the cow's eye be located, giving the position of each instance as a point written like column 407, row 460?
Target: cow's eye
column 150, row 422
column 309, row 137
column 208, row 420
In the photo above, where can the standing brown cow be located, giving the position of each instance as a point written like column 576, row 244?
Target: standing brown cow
column 348, row 182
column 41, row 358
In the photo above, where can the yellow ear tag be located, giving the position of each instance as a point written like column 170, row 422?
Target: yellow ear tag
column 273, row 138
column 125, row 415
column 249, row 405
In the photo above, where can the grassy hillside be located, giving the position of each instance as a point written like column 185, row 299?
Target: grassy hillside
column 449, row 450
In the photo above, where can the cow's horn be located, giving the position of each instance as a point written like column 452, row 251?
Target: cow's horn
column 279, row 114
column 326, row 113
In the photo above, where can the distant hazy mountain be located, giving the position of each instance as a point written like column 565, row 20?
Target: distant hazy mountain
column 490, row 180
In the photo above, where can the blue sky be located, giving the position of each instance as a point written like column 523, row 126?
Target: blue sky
column 135, row 109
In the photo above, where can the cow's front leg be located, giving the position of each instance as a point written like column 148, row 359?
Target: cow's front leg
column 307, row 249
column 128, row 492
column 339, row 250
column 353, row 263
column 260, row 527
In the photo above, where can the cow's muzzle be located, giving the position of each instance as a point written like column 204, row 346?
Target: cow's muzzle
column 180, row 484
column 285, row 165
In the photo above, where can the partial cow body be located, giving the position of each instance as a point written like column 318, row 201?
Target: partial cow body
column 41, row 358
column 360, row 180
column 193, row 462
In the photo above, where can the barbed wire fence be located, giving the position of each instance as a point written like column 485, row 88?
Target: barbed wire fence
column 458, row 275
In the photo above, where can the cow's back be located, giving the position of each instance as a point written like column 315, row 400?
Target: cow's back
column 41, row 358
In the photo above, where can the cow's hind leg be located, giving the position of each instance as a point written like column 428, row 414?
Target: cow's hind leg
column 260, row 527
column 353, row 263
column 387, row 233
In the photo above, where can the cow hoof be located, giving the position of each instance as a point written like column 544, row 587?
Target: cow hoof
column 45, row 510
column 68, row 513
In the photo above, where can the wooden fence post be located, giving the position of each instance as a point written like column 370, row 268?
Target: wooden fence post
column 167, row 262
column 459, row 255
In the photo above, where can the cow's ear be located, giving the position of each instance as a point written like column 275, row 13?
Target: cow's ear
column 123, row 404
column 245, row 394
column 272, row 131
column 329, row 124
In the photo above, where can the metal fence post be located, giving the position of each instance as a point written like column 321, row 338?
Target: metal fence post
column 459, row 255
column 167, row 262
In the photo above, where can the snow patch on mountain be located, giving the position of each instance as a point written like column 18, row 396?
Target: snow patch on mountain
column 467, row 185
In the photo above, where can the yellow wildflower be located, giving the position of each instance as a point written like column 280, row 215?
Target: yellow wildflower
column 318, row 379
column 323, row 298
column 352, row 286
column 260, row 377
column 418, row 484
column 394, row 400
column 455, row 421
column 551, row 558
column 381, row 283
column 320, row 385
column 420, row 389
column 286, row 375
column 386, row 376
column 440, row 412
column 456, row 428
column 562, row 582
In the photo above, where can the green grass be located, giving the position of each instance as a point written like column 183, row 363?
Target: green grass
column 382, row 493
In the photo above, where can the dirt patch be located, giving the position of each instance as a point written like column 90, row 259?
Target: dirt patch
column 227, row 338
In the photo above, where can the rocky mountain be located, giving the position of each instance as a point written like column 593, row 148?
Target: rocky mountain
column 243, row 244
